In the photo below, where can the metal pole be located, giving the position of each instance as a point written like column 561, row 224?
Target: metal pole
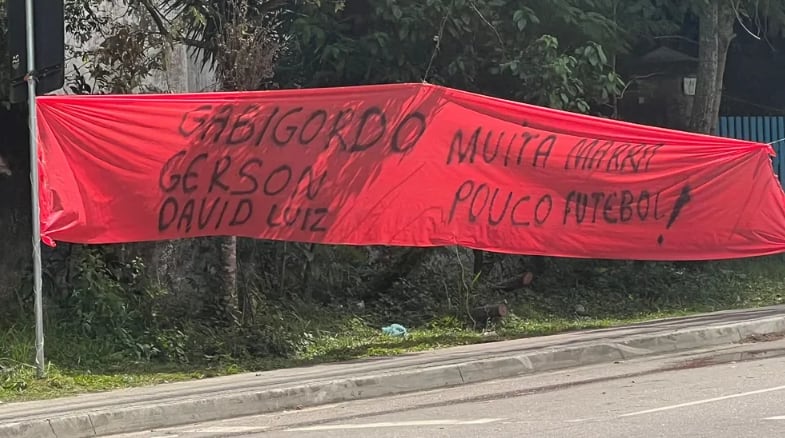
column 37, row 287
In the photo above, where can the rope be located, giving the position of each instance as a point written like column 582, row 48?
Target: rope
column 436, row 46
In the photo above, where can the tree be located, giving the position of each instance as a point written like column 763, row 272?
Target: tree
column 716, row 32
column 244, row 51
column 718, row 21
column 235, row 38
column 500, row 47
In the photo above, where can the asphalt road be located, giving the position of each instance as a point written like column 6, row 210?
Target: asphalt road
column 739, row 392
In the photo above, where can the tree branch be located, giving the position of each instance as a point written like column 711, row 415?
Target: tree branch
column 676, row 37
column 155, row 14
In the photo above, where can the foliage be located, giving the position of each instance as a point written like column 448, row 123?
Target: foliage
column 122, row 59
column 501, row 47
column 202, row 24
column 5, row 67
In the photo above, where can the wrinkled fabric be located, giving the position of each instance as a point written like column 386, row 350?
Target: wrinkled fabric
column 404, row 165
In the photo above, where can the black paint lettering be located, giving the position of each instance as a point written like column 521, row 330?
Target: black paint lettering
column 491, row 220
column 320, row 115
column 201, row 221
column 221, row 166
column 242, row 128
column 613, row 162
column 244, row 206
column 288, row 218
column 290, row 130
column 657, row 215
column 599, row 155
column 283, row 169
column 568, row 200
column 540, row 219
column 631, row 158
column 367, row 115
column 527, row 137
column 514, row 213
column 221, row 216
column 625, row 209
column 313, row 186
column 577, row 153
column 266, row 126
column 608, row 208
column 271, row 216
column 654, row 151
column 586, row 157
column 581, row 202
column 319, row 215
column 644, row 198
column 167, row 214
column 174, row 179
column 461, row 195
column 245, row 175
column 187, row 216
column 482, row 188
column 485, row 149
column 580, row 154
column 596, row 198
column 684, row 198
column 456, row 147
column 312, row 218
column 218, row 122
column 190, row 173
column 306, row 219
column 509, row 148
column 544, row 150
column 338, row 126
column 401, row 144
column 191, row 123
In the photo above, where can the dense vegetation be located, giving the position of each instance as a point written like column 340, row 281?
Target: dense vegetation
column 221, row 305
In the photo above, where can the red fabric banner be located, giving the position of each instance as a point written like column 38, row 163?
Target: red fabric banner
column 408, row 165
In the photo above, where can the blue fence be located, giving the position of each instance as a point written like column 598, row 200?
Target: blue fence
column 760, row 129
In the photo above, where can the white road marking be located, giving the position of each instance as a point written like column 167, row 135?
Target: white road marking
column 395, row 424
column 700, row 402
column 225, row 429
column 775, row 418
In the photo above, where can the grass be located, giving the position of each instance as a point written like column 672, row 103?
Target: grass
column 608, row 294
column 357, row 340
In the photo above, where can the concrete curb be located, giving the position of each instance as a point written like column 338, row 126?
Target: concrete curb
column 163, row 413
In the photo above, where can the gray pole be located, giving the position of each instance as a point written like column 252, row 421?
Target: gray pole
column 37, row 288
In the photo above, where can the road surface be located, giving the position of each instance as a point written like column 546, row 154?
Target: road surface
column 736, row 393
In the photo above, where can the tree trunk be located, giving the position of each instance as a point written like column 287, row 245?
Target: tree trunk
column 725, row 35
column 406, row 261
column 716, row 33
column 489, row 311
column 479, row 261
column 228, row 273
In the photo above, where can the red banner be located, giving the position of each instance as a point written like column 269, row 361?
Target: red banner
column 408, row 165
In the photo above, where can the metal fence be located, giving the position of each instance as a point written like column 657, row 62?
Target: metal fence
column 762, row 129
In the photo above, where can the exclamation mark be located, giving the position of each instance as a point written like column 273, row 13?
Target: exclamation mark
column 684, row 198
